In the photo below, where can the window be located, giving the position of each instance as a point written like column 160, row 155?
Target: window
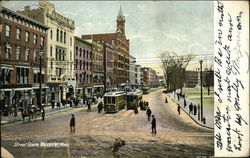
column 84, row 53
column 76, row 51
column 51, row 34
column 22, row 75
column 8, row 51
column 27, row 36
column 70, row 55
column 87, row 65
column 18, row 53
column 51, row 65
column 35, row 39
column 34, row 54
column 7, row 30
column 51, row 49
column 70, row 41
column 57, row 35
column 65, row 37
column 84, row 65
column 80, row 52
column 42, row 41
column 27, row 53
column 76, row 63
column 18, row 34
column 61, row 34
column 80, row 64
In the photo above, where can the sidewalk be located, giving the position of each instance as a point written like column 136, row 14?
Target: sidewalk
column 208, row 114
column 48, row 111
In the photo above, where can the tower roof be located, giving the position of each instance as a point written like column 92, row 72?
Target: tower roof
column 120, row 15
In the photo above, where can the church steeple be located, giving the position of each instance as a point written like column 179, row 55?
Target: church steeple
column 120, row 22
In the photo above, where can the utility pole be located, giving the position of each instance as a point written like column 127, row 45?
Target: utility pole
column 40, row 78
column 201, row 92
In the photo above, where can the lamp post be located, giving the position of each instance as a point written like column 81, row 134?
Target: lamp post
column 201, row 91
column 40, row 77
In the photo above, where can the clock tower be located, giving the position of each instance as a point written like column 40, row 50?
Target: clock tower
column 120, row 21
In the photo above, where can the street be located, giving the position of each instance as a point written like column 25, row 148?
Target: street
column 177, row 135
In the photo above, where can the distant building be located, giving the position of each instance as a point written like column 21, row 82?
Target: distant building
column 60, row 56
column 192, row 78
column 121, row 47
column 138, row 76
column 21, row 38
column 132, row 73
column 149, row 76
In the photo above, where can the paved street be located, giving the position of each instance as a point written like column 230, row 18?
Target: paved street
column 177, row 136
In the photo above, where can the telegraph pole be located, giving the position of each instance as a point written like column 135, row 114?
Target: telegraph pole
column 40, row 78
column 201, row 91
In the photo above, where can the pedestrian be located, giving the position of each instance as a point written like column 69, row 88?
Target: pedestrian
column 185, row 103
column 100, row 107
column 146, row 104
column 166, row 100
column 190, row 108
column 136, row 110
column 72, row 123
column 199, row 111
column 195, row 109
column 53, row 104
column 179, row 109
column 148, row 112
column 58, row 105
column 153, row 123
column 89, row 106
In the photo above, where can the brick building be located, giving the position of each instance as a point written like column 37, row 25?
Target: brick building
column 21, row 38
column 83, row 68
column 121, row 53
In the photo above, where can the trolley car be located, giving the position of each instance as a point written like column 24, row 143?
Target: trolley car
column 146, row 90
column 114, row 101
column 133, row 99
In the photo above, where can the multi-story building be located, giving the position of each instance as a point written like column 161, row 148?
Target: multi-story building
column 121, row 54
column 83, row 66
column 132, row 73
column 138, row 76
column 192, row 78
column 149, row 76
column 22, row 40
column 60, row 56
column 108, row 63
column 97, row 68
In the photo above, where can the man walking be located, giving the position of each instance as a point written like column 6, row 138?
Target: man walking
column 89, row 106
column 153, row 123
column 100, row 106
column 191, row 108
column 148, row 112
column 72, row 123
column 179, row 109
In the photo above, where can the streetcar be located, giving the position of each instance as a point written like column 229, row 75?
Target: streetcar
column 133, row 99
column 114, row 101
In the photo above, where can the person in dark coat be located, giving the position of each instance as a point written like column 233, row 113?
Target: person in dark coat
column 179, row 109
column 153, row 123
column 136, row 110
column 72, row 123
column 191, row 108
column 185, row 103
column 166, row 100
column 100, row 107
column 53, row 104
column 89, row 106
column 195, row 109
column 58, row 105
column 148, row 112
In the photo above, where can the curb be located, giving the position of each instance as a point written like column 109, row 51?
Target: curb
column 191, row 116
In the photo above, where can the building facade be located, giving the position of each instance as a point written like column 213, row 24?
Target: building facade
column 22, row 40
column 132, row 72
column 138, row 76
column 60, row 56
column 83, row 65
column 149, row 76
column 97, row 69
column 108, row 63
column 121, row 53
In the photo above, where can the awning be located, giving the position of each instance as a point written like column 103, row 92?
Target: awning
column 6, row 67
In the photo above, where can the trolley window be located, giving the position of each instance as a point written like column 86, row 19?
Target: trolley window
column 109, row 100
column 105, row 100
column 113, row 100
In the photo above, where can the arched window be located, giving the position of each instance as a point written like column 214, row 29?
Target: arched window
column 80, row 52
column 76, row 51
column 80, row 64
column 65, row 37
column 83, row 65
column 57, row 35
column 87, row 65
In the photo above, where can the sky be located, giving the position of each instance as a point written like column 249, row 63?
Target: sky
column 151, row 26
